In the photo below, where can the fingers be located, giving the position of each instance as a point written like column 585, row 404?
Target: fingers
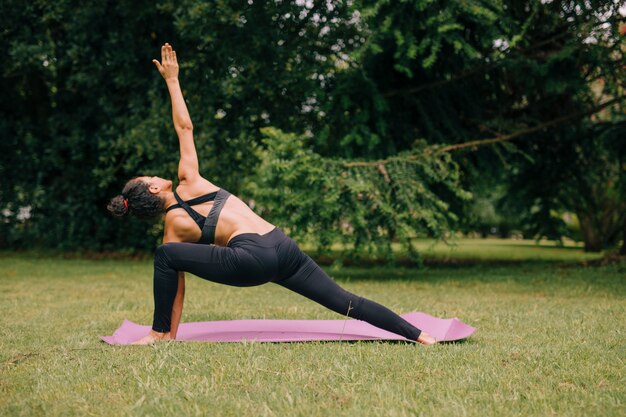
column 158, row 65
column 168, row 60
column 167, row 53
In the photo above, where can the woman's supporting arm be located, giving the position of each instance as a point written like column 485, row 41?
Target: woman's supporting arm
column 188, row 166
column 177, row 308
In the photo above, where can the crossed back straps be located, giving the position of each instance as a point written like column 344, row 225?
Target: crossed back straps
column 207, row 224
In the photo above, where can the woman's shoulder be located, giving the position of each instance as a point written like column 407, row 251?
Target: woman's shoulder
column 179, row 224
column 200, row 186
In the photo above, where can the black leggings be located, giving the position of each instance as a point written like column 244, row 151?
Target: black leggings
column 252, row 259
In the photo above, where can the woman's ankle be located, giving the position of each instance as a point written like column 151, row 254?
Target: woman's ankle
column 426, row 339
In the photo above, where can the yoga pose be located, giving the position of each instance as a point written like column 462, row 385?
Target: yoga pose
column 240, row 249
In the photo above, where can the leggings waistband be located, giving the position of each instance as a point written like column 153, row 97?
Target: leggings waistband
column 269, row 239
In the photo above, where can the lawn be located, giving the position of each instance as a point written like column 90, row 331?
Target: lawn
column 550, row 341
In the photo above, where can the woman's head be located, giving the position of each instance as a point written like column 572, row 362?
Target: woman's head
column 142, row 196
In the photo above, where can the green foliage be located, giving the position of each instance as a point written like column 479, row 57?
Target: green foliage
column 576, row 167
column 84, row 110
column 384, row 100
column 584, row 171
column 367, row 206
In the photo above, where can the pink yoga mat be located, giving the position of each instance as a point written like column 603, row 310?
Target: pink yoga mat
column 295, row 330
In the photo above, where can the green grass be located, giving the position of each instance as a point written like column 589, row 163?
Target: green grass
column 504, row 249
column 550, row 341
column 464, row 250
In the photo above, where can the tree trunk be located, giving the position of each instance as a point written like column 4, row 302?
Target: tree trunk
column 622, row 251
column 591, row 235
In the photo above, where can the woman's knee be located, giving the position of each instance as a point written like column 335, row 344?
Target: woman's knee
column 162, row 255
column 356, row 306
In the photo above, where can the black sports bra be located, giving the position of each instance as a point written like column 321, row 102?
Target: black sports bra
column 207, row 224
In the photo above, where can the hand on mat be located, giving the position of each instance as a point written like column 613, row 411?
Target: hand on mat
column 426, row 339
column 152, row 337
column 168, row 67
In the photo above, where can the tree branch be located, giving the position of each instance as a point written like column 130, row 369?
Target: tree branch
column 498, row 139
column 542, row 126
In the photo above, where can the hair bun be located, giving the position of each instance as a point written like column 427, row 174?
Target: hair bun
column 117, row 207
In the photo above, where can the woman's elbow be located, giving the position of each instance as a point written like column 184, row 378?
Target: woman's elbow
column 184, row 126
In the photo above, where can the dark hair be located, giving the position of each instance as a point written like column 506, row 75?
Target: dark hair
column 141, row 202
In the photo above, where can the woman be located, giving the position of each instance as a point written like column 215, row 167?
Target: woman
column 247, row 250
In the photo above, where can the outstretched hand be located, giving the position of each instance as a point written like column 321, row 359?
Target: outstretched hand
column 168, row 67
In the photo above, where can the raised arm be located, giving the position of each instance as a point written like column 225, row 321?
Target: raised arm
column 168, row 68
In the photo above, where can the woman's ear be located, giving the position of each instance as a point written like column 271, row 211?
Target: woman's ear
column 154, row 189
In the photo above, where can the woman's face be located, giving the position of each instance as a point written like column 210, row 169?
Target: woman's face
column 157, row 184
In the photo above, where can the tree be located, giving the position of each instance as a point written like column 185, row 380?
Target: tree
column 489, row 72
column 85, row 109
column 380, row 93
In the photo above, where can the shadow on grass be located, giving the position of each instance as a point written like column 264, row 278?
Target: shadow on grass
column 38, row 254
column 530, row 277
column 476, row 271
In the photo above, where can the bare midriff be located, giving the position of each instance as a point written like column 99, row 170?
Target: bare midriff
column 237, row 218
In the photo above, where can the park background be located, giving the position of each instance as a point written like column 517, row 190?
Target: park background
column 463, row 158
column 352, row 122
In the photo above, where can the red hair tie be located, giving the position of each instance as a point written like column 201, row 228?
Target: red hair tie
column 125, row 203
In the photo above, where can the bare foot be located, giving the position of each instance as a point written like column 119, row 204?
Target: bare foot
column 426, row 339
column 152, row 337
